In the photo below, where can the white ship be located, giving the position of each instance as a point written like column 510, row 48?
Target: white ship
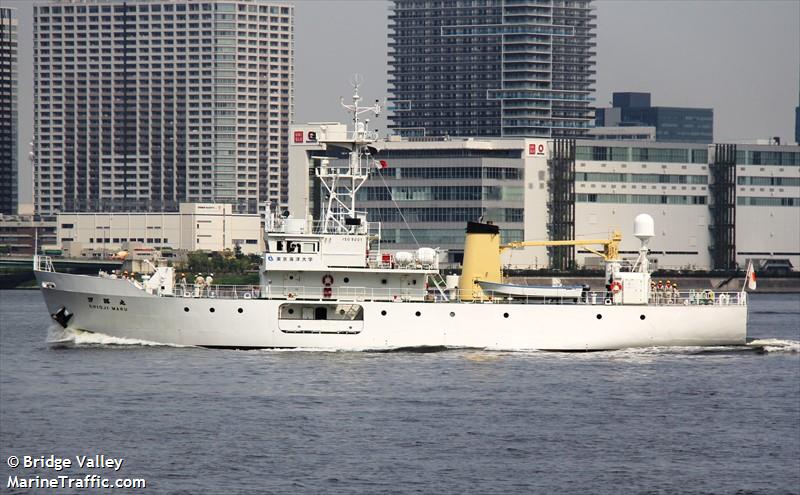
column 327, row 284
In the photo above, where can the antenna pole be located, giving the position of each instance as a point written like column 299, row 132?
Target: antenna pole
column 342, row 183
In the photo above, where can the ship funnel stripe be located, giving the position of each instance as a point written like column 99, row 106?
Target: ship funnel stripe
column 482, row 228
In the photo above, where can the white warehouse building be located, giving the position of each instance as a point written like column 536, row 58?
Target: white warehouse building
column 715, row 206
column 195, row 227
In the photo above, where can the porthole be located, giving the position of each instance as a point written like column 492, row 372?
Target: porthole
column 414, row 282
column 383, row 281
column 641, row 317
column 505, row 315
column 186, row 309
column 211, row 309
column 341, row 311
column 452, row 314
column 418, row 313
column 240, row 310
column 291, row 277
column 291, row 311
column 599, row 316
column 383, row 313
column 346, row 280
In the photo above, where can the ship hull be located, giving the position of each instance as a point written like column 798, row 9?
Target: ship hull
column 118, row 309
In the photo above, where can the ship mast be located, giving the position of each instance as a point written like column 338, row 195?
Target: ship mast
column 342, row 183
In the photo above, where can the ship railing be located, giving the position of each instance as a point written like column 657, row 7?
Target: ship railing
column 605, row 298
column 298, row 292
column 277, row 225
column 350, row 294
column 43, row 263
column 218, row 291
column 695, row 297
column 387, row 261
column 431, row 294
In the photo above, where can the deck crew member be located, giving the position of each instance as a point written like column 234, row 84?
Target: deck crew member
column 182, row 283
column 199, row 282
column 209, row 280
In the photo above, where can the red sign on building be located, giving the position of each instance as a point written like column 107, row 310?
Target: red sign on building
column 298, row 136
column 536, row 149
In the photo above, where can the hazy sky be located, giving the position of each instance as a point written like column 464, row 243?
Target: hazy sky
column 742, row 58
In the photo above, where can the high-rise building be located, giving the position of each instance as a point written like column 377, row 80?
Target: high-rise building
column 672, row 124
column 8, row 111
column 797, row 124
column 491, row 67
column 143, row 104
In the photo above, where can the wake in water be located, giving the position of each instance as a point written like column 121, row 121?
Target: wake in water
column 58, row 337
column 776, row 345
column 762, row 346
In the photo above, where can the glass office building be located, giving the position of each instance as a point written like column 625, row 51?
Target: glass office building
column 491, row 67
column 8, row 109
column 429, row 192
column 672, row 124
column 142, row 105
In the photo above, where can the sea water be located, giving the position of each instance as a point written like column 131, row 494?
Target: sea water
column 189, row 420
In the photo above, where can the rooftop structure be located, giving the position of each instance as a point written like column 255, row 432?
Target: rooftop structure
column 629, row 133
column 672, row 124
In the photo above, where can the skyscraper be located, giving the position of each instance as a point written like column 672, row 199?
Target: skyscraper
column 143, row 104
column 8, row 111
column 491, row 67
column 797, row 124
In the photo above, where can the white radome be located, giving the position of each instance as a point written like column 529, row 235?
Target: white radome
column 643, row 227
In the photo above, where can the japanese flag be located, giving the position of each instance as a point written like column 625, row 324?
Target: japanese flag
column 751, row 277
column 384, row 164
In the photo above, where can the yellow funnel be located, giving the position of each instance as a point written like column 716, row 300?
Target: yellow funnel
column 481, row 260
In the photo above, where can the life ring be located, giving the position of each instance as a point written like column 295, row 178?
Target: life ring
column 327, row 279
column 608, row 302
column 247, row 295
column 616, row 286
column 724, row 299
